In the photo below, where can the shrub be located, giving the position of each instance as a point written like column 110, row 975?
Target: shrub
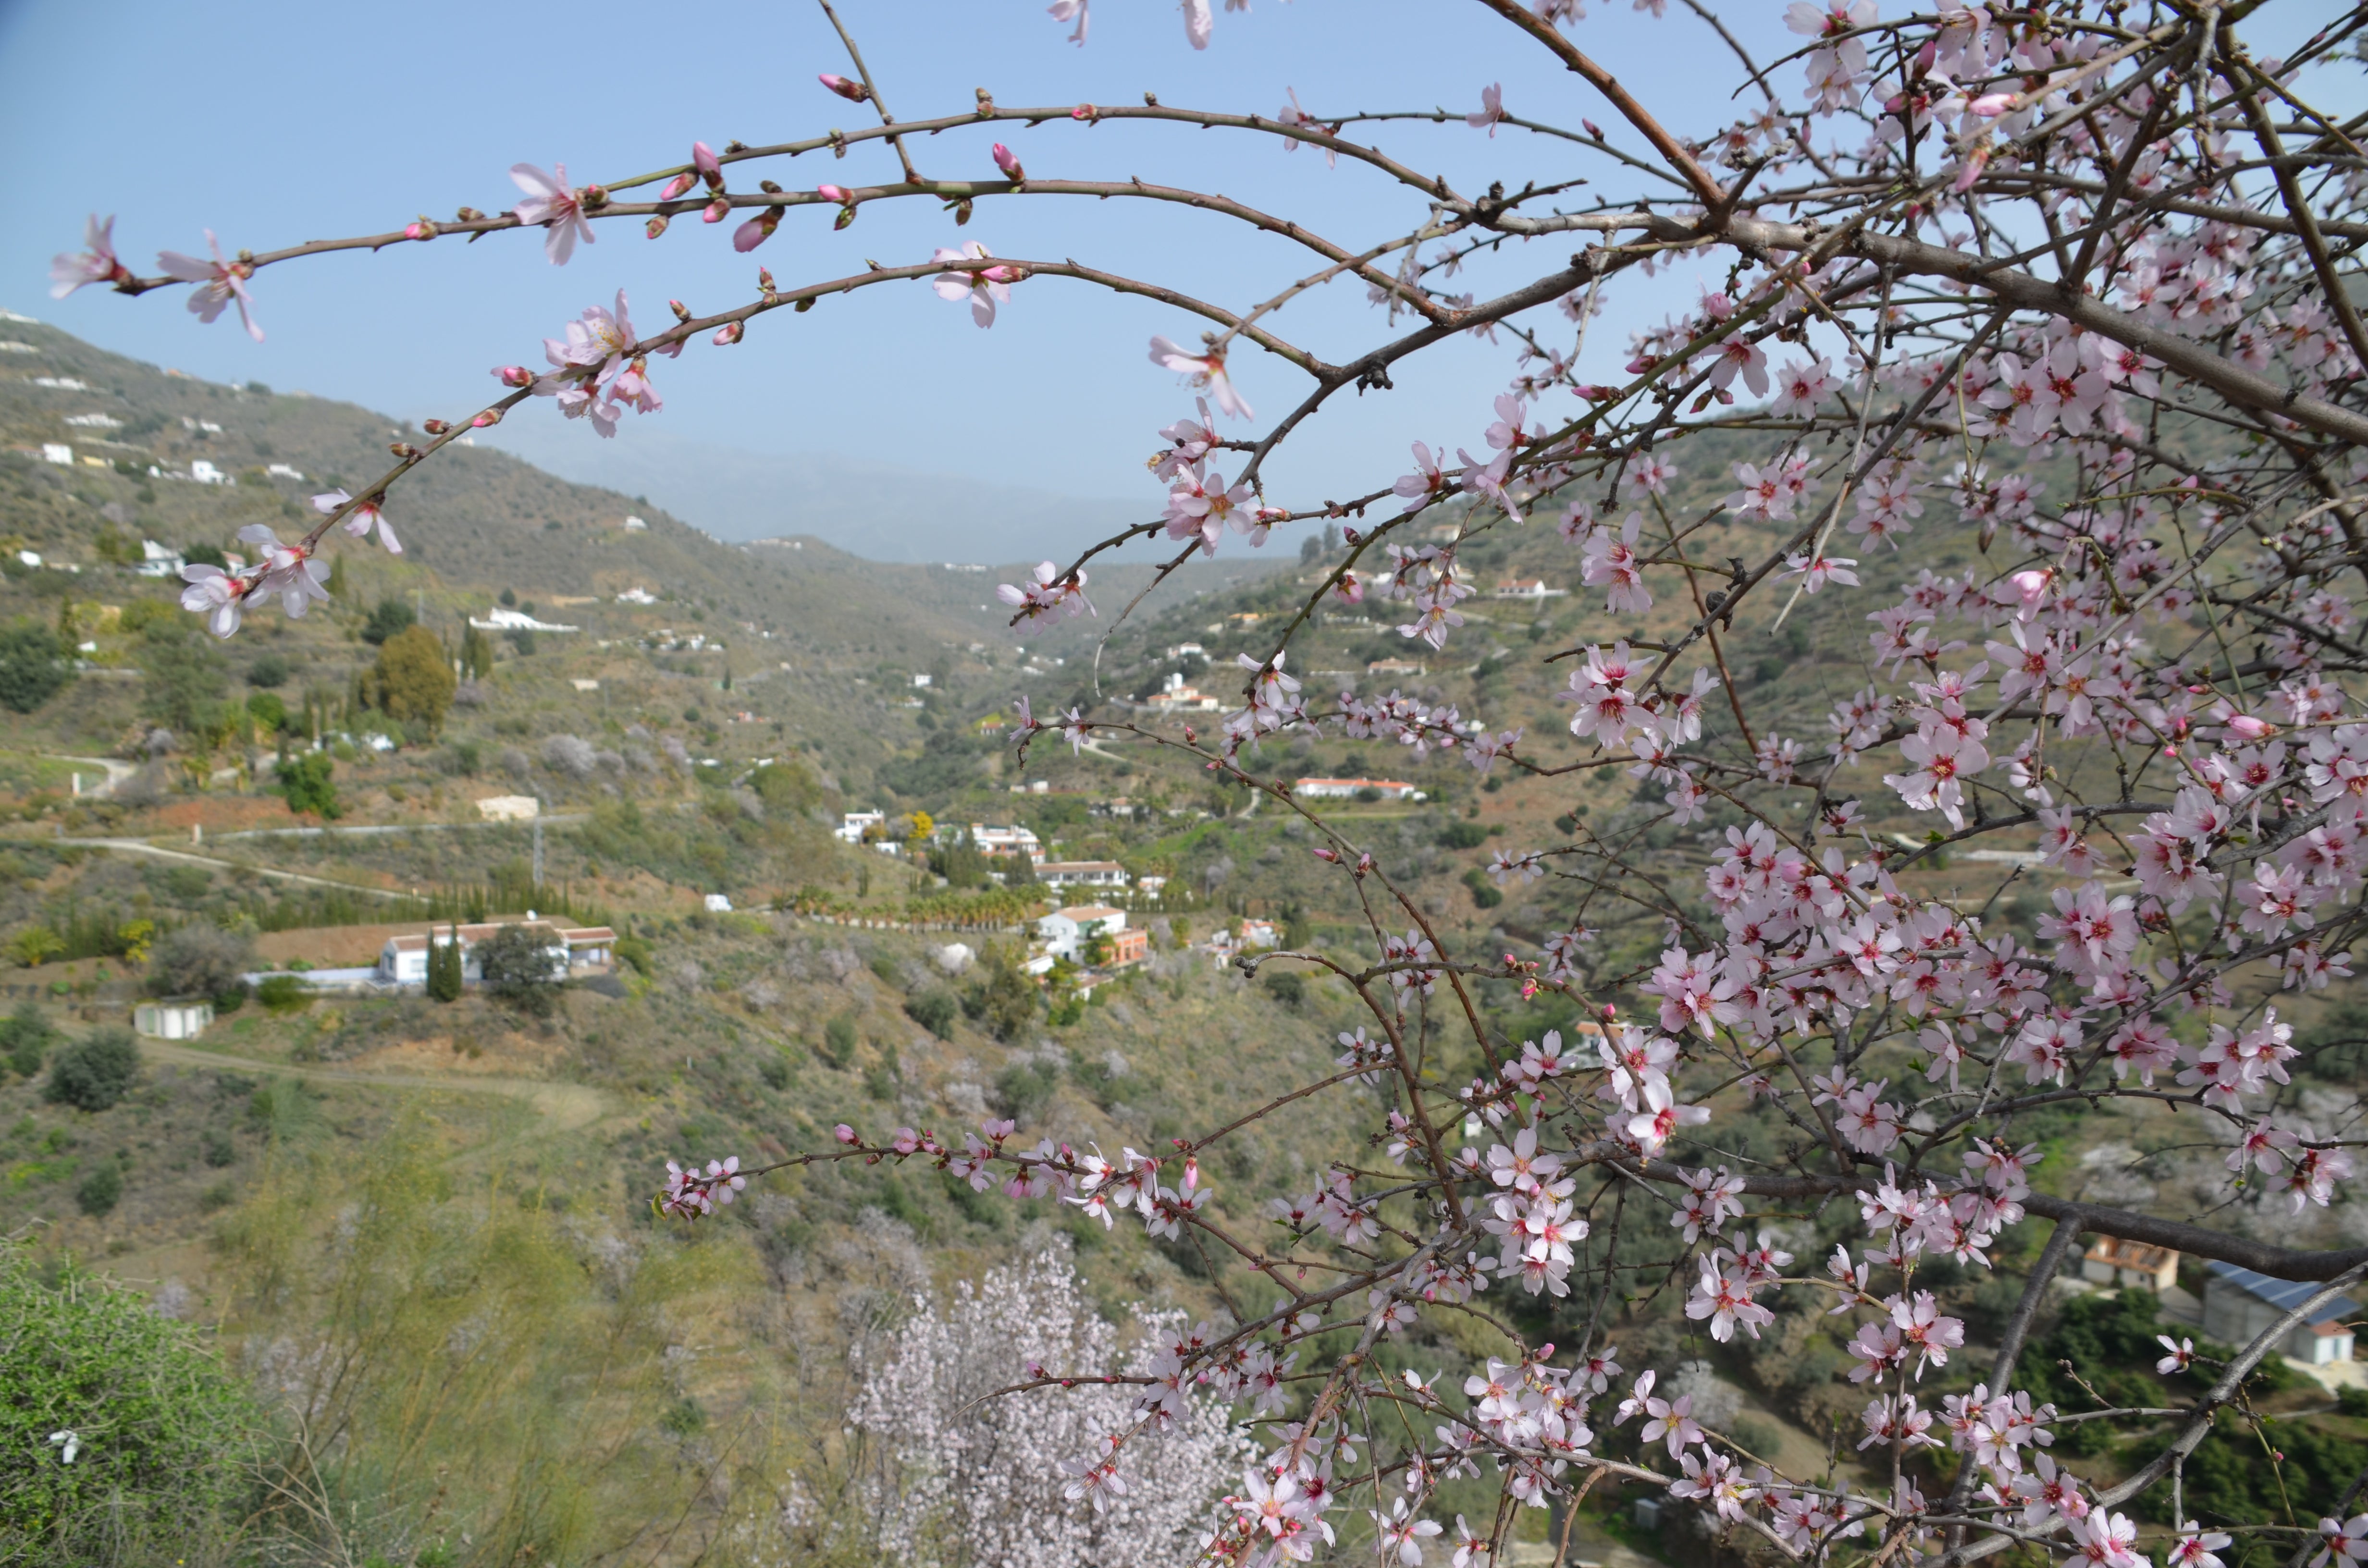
column 516, row 966
column 1288, row 989
column 571, row 756
column 199, row 960
column 25, row 1039
column 269, row 713
column 413, row 681
column 306, row 781
column 838, row 1040
column 34, row 667
column 267, row 671
column 388, row 620
column 100, row 1190
column 163, row 1434
column 1462, row 835
column 934, row 1011
column 284, row 994
column 96, row 1071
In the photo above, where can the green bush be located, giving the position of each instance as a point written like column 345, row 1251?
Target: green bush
column 1462, row 835
column 517, row 966
column 101, row 1190
column 33, row 666
column 838, row 1040
column 305, row 781
column 164, row 1438
column 934, row 1011
column 25, row 1039
column 284, row 994
column 96, row 1071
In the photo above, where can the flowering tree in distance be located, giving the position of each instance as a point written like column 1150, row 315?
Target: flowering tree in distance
column 2062, row 296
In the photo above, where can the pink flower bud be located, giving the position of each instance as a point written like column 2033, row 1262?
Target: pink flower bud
column 2250, row 728
column 490, row 418
column 681, row 311
column 1976, row 161
column 833, row 193
column 1008, row 164
column 756, row 229
column 514, row 375
column 1083, row 111
column 435, row 426
column 728, row 336
column 1324, row 852
column 843, row 1132
column 702, row 158
column 656, row 226
column 716, row 212
column 853, row 92
column 677, row 186
column 1989, row 106
column 1927, row 55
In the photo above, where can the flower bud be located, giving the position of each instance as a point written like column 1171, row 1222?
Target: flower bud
column 1008, row 164
column 716, row 212
column 1083, row 111
column 702, row 158
column 593, row 197
column 677, row 186
column 756, row 229
column 835, row 193
column 435, row 426
column 490, row 418
column 1989, row 106
column 843, row 1132
column 656, row 226
column 514, row 375
column 765, row 280
column 681, row 311
column 853, row 92
column 469, row 215
column 421, row 228
column 403, row 450
column 728, row 336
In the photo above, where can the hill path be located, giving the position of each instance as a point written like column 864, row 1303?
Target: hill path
column 568, row 1106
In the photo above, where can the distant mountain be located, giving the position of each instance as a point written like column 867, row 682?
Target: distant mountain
column 877, row 512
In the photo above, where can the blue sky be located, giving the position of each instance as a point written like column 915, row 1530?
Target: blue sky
column 281, row 121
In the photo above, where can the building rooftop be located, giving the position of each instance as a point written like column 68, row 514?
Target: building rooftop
column 2283, row 1294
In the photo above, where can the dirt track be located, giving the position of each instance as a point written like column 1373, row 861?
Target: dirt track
column 567, row 1107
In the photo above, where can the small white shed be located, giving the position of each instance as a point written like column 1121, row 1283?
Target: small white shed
column 171, row 1020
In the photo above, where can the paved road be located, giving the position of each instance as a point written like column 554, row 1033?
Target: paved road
column 117, row 772
column 567, row 1107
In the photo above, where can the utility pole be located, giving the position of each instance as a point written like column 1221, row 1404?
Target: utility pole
column 537, row 855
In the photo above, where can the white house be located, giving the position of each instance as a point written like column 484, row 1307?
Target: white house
column 567, row 949
column 204, row 473
column 1011, row 840
column 500, row 620
column 634, row 525
column 281, row 470
column 1259, row 934
column 1175, row 696
column 851, row 826
column 1345, row 788
column 1150, row 885
column 171, row 1020
column 1081, row 874
column 718, row 903
column 1065, row 932
column 57, row 452
column 159, row 561
column 637, row 595
column 2239, row 1306
column 1533, row 589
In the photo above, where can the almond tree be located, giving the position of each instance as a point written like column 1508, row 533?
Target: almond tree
column 2072, row 286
